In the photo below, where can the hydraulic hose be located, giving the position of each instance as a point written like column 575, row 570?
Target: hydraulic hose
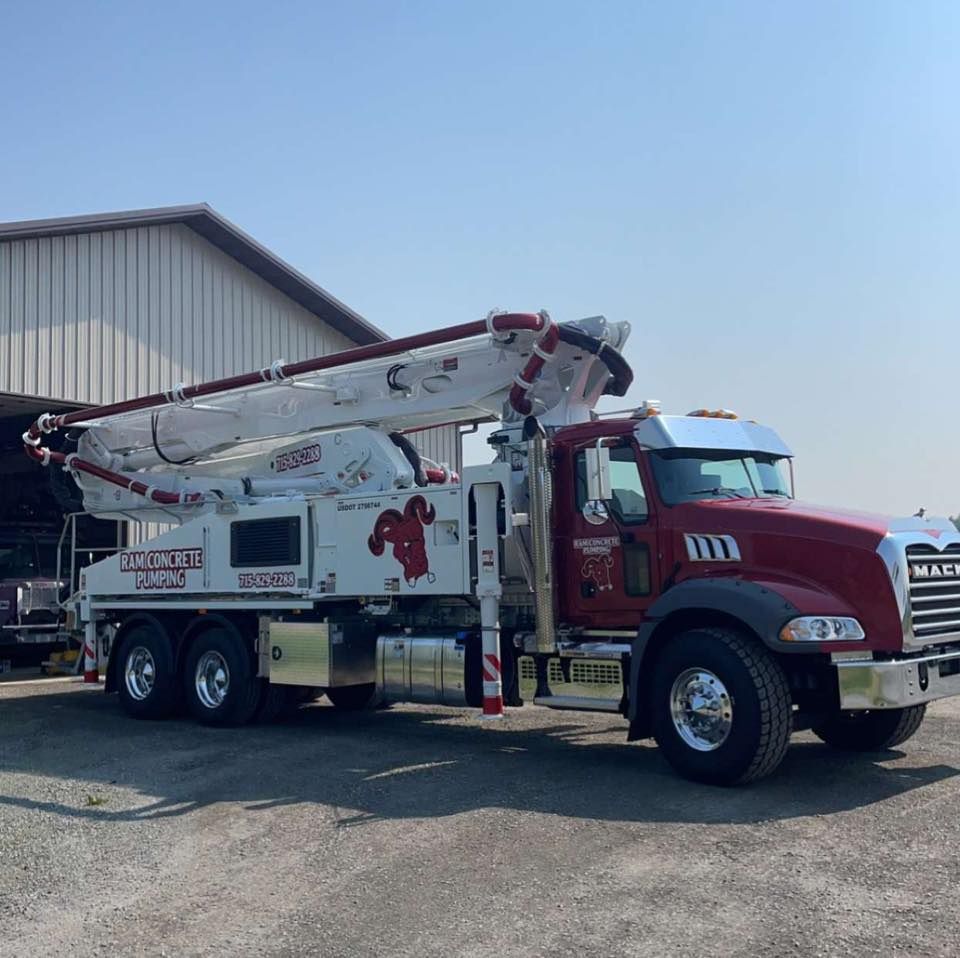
column 621, row 375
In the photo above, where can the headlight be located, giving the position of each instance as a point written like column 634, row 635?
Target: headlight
column 822, row 628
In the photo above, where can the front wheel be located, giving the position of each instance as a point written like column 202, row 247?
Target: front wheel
column 722, row 708
column 870, row 731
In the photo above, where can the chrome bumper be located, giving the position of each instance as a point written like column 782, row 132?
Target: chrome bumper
column 898, row 682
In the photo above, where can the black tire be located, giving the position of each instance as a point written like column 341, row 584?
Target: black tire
column 232, row 688
column 146, row 673
column 874, row 731
column 277, row 702
column 755, row 701
column 352, row 698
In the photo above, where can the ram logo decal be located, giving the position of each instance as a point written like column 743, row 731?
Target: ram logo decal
column 711, row 548
column 598, row 569
column 404, row 531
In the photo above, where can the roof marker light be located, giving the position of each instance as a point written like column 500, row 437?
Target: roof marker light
column 713, row 414
column 649, row 407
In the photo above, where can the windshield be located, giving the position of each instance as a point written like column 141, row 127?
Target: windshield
column 686, row 475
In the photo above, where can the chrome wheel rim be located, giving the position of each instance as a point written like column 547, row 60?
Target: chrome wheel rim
column 701, row 709
column 212, row 679
column 139, row 673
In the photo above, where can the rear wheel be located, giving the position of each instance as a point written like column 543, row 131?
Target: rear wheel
column 219, row 680
column 277, row 701
column 870, row 731
column 352, row 698
column 146, row 681
column 721, row 709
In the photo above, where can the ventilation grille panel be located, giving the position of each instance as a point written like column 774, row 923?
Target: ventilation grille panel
column 265, row 542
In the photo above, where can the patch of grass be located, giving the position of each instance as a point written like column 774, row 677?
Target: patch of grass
column 92, row 801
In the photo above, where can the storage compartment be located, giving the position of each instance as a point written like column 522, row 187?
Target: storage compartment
column 322, row 654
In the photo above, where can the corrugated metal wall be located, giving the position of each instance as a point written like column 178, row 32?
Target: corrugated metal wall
column 98, row 317
column 102, row 316
column 440, row 445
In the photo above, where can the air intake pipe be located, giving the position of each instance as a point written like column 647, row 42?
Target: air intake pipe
column 541, row 494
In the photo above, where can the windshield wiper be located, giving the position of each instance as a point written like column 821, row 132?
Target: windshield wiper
column 776, row 492
column 716, row 491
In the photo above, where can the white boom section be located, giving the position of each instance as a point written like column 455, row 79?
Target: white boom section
column 328, row 432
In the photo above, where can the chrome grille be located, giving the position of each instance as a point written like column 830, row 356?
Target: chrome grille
column 934, row 589
column 39, row 597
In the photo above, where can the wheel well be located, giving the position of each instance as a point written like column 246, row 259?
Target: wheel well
column 685, row 619
column 681, row 621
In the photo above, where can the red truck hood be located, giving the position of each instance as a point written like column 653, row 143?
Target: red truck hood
column 824, row 561
column 789, row 517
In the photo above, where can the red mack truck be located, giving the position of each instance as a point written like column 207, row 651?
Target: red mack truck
column 652, row 566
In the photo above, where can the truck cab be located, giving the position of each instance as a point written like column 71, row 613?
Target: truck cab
column 668, row 527
column 709, row 499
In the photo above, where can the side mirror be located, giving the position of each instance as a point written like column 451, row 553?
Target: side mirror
column 595, row 511
column 598, row 472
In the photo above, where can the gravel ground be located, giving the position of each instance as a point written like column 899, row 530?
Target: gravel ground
column 417, row 831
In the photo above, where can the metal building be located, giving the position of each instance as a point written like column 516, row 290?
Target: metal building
column 95, row 309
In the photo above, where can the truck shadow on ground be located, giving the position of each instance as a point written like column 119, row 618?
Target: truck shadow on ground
column 411, row 762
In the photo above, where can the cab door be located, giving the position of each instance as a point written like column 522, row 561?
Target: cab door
column 611, row 567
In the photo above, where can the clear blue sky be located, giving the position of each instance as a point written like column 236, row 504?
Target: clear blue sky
column 769, row 192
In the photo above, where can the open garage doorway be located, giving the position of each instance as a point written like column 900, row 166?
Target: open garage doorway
column 42, row 548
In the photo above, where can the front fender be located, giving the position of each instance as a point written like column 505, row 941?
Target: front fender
column 763, row 607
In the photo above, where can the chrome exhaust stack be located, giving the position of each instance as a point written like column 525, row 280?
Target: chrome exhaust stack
column 540, row 480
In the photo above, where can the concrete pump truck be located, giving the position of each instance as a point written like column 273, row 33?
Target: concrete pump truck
column 652, row 566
